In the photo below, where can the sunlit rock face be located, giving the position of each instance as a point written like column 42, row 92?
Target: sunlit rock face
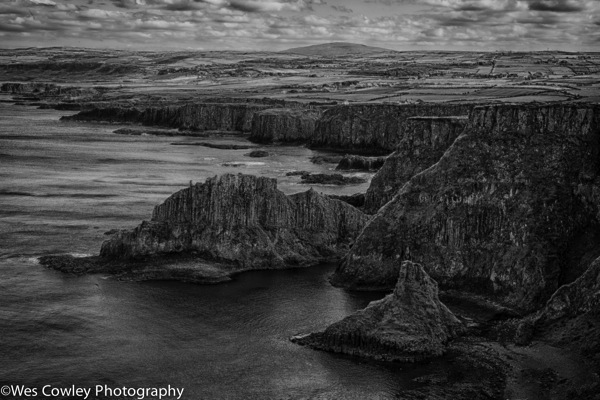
column 246, row 220
column 510, row 209
column 374, row 128
column 411, row 324
column 283, row 125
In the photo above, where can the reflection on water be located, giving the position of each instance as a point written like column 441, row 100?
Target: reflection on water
column 63, row 185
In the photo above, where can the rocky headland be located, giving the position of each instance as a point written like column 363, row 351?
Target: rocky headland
column 509, row 210
column 232, row 117
column 240, row 221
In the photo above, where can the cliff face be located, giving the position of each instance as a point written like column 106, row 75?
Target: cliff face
column 424, row 142
column 30, row 87
column 49, row 90
column 509, row 210
column 410, row 324
column 214, row 116
column 226, row 117
column 283, row 125
column 376, row 128
column 246, row 220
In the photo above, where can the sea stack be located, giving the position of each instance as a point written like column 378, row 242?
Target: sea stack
column 409, row 325
column 243, row 219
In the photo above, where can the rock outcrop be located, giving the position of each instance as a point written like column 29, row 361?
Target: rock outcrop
column 244, row 220
column 411, row 324
column 510, row 210
column 362, row 163
column 374, row 128
column 425, row 141
column 283, row 125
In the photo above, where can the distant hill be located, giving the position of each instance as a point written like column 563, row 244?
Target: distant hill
column 336, row 49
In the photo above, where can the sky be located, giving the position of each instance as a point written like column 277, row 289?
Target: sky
column 245, row 25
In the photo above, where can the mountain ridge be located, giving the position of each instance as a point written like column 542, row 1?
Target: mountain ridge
column 336, row 49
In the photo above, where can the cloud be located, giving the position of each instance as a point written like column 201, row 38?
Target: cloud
column 43, row 2
column 343, row 9
column 277, row 24
column 556, row 6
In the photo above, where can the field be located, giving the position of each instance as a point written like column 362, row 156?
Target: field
column 397, row 77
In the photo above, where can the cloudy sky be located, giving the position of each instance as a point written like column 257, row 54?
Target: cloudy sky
column 280, row 24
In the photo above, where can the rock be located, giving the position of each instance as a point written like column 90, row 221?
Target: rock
column 156, row 132
column 114, row 114
column 297, row 173
column 242, row 163
column 373, row 128
column 509, row 211
column 325, row 159
column 283, row 125
column 425, row 141
column 244, row 220
column 257, row 154
column 362, row 163
column 331, row 179
column 221, row 146
column 411, row 324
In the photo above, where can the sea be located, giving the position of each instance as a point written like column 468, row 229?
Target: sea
column 63, row 185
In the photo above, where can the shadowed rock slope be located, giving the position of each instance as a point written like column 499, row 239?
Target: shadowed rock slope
column 245, row 220
column 571, row 318
column 410, row 324
column 510, row 210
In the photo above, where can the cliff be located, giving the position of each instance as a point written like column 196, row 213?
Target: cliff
column 50, row 90
column 283, row 125
column 29, row 87
column 374, row 128
column 245, row 220
column 424, row 142
column 410, row 324
column 203, row 116
column 510, row 210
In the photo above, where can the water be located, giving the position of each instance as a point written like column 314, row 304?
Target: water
column 62, row 186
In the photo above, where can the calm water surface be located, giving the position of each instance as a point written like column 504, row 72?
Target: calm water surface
column 62, row 185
